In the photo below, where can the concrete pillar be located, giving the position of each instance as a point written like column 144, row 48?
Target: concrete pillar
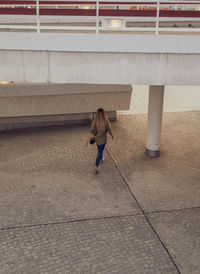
column 155, row 110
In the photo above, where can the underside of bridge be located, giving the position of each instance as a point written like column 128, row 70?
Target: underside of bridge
column 66, row 77
column 36, row 105
column 28, row 105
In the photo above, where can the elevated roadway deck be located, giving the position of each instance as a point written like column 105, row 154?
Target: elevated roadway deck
column 100, row 59
column 153, row 60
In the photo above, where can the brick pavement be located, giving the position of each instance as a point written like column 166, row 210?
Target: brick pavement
column 170, row 181
column 180, row 231
column 107, row 245
column 57, row 217
column 47, row 176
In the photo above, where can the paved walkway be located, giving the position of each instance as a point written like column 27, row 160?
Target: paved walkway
column 176, row 98
column 139, row 215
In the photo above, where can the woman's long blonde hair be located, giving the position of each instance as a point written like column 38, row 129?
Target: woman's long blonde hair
column 100, row 120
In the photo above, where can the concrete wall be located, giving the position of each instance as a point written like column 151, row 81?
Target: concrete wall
column 49, row 99
column 9, row 123
column 49, row 104
column 100, row 59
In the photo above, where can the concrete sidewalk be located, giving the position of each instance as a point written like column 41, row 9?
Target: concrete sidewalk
column 139, row 215
column 176, row 98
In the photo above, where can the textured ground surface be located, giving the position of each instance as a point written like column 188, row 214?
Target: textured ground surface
column 176, row 98
column 139, row 215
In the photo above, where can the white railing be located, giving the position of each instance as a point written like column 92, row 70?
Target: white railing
column 103, row 23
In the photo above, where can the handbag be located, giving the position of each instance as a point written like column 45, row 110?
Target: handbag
column 92, row 140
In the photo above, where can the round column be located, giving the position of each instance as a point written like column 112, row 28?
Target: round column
column 155, row 110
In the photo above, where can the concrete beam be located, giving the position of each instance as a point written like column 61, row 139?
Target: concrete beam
column 124, row 43
column 47, row 104
column 104, row 59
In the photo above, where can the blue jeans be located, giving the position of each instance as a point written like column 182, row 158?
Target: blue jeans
column 100, row 153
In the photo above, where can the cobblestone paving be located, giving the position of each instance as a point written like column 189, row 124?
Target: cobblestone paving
column 170, row 181
column 47, row 176
column 180, row 232
column 93, row 224
column 112, row 245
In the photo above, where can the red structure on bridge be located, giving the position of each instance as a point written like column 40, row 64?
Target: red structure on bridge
column 68, row 11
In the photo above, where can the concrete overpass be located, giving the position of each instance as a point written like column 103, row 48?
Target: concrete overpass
column 100, row 59
column 96, row 59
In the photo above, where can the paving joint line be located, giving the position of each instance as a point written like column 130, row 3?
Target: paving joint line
column 172, row 210
column 95, row 218
column 69, row 221
column 141, row 209
column 66, row 221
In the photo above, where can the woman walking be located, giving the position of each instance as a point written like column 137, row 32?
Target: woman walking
column 99, row 128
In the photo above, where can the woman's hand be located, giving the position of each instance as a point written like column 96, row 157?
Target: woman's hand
column 111, row 134
column 88, row 139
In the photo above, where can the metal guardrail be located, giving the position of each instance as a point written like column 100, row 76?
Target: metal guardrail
column 38, row 6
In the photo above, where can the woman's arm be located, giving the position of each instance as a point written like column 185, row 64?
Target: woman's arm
column 111, row 134
column 108, row 126
column 88, row 139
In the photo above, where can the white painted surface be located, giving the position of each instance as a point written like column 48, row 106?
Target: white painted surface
column 155, row 110
column 4, row 19
column 100, row 43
